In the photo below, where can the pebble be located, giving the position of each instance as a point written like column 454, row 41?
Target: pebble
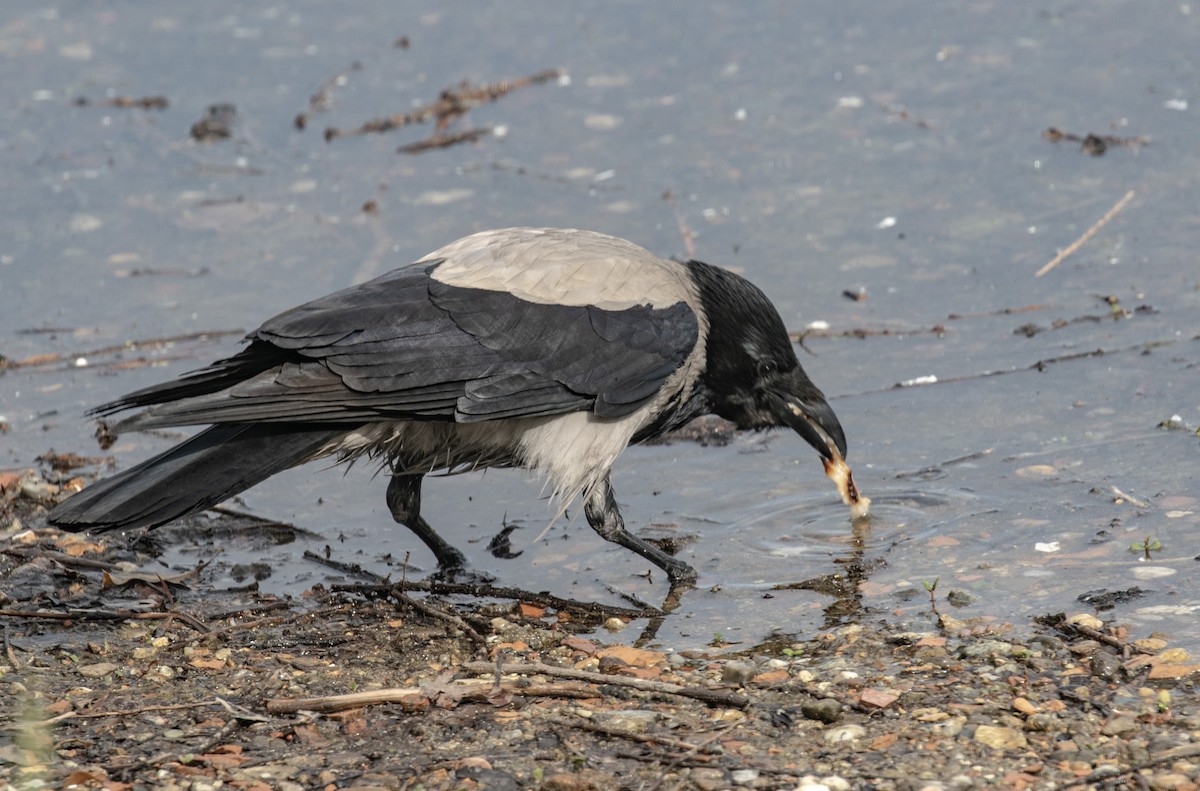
column 743, row 776
column 708, row 779
column 631, row 720
column 738, row 673
column 844, row 733
column 1105, row 665
column 826, row 710
column 1000, row 738
column 1043, row 723
column 1118, row 725
column 614, row 624
column 985, row 649
column 1086, row 619
column 950, row 728
column 97, row 670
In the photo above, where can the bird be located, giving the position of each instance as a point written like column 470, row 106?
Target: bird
column 547, row 349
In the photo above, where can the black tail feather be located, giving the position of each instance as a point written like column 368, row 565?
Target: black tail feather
column 197, row 474
column 253, row 360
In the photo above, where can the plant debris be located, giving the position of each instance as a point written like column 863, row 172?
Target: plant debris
column 1094, row 144
column 217, row 123
column 450, row 105
column 140, row 103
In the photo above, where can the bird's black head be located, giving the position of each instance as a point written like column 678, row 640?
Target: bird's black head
column 752, row 375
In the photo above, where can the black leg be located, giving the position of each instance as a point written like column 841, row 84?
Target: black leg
column 604, row 517
column 404, row 501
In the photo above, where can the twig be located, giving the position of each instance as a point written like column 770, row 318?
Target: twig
column 864, row 332
column 65, row 357
column 1088, row 234
column 1128, row 497
column 61, row 558
column 643, row 738
column 445, row 140
column 83, row 715
column 322, row 99
column 413, row 698
column 1040, row 365
column 689, row 241
column 139, row 102
column 451, row 104
column 498, row 592
column 1063, row 625
column 937, row 467
column 713, row 697
column 438, row 614
column 1174, row 754
column 106, row 615
column 345, row 568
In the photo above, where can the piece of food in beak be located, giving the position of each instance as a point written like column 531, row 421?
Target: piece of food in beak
column 839, row 472
column 835, row 464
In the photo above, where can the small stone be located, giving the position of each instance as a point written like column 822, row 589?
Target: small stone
column 631, row 720
column 1150, row 644
column 614, row 624
column 929, row 714
column 708, row 779
column 1000, row 738
column 960, row 598
column 1160, row 672
column 743, row 776
column 738, row 673
column 1173, row 656
column 97, row 670
column 844, row 733
column 826, row 710
column 877, row 698
column 950, row 728
column 1087, row 620
column 1169, row 781
column 1023, row 706
column 986, row 649
column 1118, row 725
column 810, row 783
column 583, row 780
column 1042, row 723
column 1105, row 665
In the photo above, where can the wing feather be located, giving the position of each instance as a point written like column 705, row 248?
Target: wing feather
column 406, row 346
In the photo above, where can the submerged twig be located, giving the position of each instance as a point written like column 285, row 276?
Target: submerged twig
column 451, row 104
column 445, row 140
column 74, row 358
column 1088, row 234
column 322, row 99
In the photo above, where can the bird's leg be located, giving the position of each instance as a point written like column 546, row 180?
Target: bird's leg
column 404, row 501
column 604, row 517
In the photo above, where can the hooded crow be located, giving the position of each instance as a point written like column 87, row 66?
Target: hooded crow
column 542, row 348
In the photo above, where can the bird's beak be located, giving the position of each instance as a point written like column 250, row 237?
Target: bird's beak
column 812, row 418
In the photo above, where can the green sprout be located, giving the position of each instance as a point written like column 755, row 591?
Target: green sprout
column 932, row 588
column 1146, row 545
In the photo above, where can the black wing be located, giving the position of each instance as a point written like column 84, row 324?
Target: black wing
column 405, row 346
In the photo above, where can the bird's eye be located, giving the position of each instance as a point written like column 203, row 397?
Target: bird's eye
column 766, row 368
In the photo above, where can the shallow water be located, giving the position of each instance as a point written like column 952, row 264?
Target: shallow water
column 815, row 148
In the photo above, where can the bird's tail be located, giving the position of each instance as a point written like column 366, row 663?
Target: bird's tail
column 194, row 475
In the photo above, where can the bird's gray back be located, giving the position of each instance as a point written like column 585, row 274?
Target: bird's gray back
column 565, row 267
